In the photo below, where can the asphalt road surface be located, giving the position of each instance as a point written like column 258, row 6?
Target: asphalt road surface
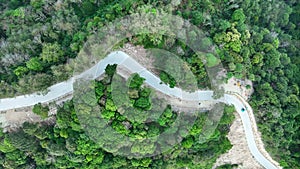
column 61, row 89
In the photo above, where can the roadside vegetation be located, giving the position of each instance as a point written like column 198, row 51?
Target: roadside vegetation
column 41, row 110
column 258, row 40
column 67, row 145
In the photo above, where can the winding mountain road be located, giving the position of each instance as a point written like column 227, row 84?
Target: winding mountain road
column 64, row 88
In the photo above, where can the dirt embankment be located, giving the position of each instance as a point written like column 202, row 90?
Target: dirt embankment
column 239, row 153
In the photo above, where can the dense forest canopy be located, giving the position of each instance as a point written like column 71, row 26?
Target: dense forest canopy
column 255, row 39
column 66, row 144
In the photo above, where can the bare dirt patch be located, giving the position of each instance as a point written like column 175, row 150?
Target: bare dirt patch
column 139, row 53
column 243, row 87
column 258, row 138
column 14, row 118
column 239, row 153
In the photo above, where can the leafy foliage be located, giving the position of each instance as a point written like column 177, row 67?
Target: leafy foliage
column 65, row 146
column 41, row 110
column 258, row 40
column 167, row 79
